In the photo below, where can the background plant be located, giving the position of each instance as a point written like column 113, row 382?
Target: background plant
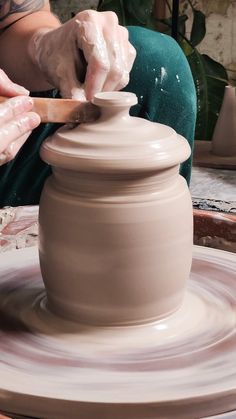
column 210, row 77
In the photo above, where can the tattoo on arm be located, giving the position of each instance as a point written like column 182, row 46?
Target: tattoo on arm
column 8, row 7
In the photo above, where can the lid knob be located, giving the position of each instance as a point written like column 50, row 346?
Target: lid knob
column 119, row 99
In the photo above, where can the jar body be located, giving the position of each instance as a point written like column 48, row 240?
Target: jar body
column 115, row 251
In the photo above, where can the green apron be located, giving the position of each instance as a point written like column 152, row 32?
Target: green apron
column 161, row 79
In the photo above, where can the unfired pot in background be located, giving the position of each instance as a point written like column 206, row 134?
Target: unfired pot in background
column 224, row 135
column 115, row 218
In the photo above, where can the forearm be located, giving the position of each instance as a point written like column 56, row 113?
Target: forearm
column 14, row 49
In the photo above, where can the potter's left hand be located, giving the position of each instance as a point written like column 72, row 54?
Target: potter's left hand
column 92, row 47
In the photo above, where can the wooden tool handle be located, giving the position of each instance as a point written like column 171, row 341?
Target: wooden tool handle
column 63, row 110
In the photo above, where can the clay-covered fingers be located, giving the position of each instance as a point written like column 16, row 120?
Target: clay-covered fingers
column 16, row 124
column 8, row 88
column 89, row 53
column 129, row 55
column 91, row 41
column 121, row 53
column 56, row 53
column 107, row 51
column 69, row 84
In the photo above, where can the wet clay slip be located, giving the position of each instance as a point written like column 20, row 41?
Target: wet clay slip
column 117, row 324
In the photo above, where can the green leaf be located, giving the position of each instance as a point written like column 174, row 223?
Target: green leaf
column 168, row 23
column 198, row 31
column 182, row 24
column 186, row 46
column 210, row 79
column 214, row 69
column 139, row 10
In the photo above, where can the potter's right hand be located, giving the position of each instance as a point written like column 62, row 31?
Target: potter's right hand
column 16, row 120
column 106, row 61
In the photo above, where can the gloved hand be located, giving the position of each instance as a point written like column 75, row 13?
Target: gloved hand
column 16, row 120
column 91, row 48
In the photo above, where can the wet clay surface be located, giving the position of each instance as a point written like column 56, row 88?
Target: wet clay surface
column 109, row 240
column 174, row 367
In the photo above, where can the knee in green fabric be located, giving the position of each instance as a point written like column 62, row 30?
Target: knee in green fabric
column 163, row 82
column 161, row 76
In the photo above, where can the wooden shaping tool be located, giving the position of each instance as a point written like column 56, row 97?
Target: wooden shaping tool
column 63, row 110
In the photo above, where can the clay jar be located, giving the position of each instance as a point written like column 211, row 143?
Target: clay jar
column 115, row 220
column 224, row 136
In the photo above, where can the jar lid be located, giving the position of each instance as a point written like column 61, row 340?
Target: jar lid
column 116, row 141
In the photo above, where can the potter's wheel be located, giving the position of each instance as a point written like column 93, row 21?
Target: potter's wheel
column 183, row 366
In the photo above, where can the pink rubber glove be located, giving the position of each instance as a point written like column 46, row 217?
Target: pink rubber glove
column 108, row 54
column 16, row 120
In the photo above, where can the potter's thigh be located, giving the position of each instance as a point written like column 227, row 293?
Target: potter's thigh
column 162, row 80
